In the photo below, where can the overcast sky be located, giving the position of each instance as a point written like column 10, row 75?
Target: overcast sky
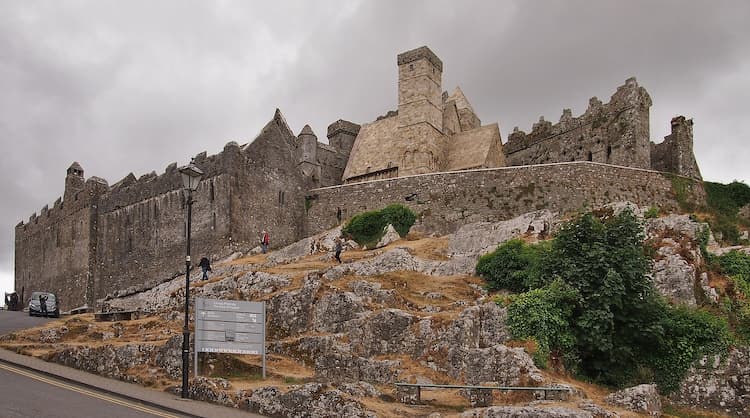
column 133, row 86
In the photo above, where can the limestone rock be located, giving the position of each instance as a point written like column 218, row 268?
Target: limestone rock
column 642, row 399
column 360, row 389
column 340, row 366
column 718, row 383
column 214, row 390
column 371, row 292
column 390, row 236
column 596, row 410
column 386, row 331
column 504, row 365
column 334, row 309
column 674, row 276
column 525, row 412
column 289, row 313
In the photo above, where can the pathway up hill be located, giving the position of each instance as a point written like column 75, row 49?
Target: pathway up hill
column 339, row 335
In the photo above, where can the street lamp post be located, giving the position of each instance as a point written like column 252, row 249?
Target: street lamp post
column 191, row 176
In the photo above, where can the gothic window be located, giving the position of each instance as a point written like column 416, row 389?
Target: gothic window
column 213, row 226
column 212, row 191
column 609, row 152
column 590, row 156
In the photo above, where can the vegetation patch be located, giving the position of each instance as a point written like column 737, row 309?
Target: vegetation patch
column 368, row 227
column 723, row 204
column 591, row 306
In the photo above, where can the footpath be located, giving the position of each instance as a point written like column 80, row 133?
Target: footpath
column 129, row 391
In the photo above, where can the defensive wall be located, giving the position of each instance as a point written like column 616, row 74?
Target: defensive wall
column 616, row 132
column 99, row 239
column 445, row 201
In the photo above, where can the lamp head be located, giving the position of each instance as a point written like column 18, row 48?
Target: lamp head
column 191, row 176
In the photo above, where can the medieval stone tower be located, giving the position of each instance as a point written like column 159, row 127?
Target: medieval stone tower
column 420, row 110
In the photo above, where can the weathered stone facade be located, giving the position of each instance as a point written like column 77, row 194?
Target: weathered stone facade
column 99, row 239
column 445, row 201
column 432, row 131
column 433, row 155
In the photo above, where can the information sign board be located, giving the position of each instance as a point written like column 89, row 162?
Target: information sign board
column 230, row 326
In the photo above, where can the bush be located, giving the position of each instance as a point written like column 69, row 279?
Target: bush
column 724, row 202
column 601, row 312
column 691, row 334
column 368, row 227
column 544, row 314
column 514, row 266
column 652, row 212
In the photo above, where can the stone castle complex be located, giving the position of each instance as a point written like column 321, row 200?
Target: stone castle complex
column 432, row 154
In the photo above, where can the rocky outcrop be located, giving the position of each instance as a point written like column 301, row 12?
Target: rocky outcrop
column 720, row 383
column 643, row 399
column 504, row 365
column 389, row 236
column 526, row 412
column 289, row 313
column 310, row 400
column 673, row 275
column 116, row 361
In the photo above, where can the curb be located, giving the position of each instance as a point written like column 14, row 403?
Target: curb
column 103, row 390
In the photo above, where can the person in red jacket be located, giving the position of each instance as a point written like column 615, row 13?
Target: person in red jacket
column 264, row 241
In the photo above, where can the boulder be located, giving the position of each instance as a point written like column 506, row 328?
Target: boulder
column 389, row 236
column 674, row 276
column 720, row 383
column 526, row 412
column 643, row 399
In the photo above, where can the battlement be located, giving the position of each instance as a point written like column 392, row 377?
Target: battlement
column 616, row 132
column 423, row 52
column 342, row 126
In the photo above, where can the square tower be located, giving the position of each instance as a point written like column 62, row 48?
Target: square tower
column 420, row 92
column 420, row 111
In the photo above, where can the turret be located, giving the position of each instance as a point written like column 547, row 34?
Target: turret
column 341, row 135
column 74, row 181
column 309, row 156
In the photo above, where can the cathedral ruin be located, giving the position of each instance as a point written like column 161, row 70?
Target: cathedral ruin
column 432, row 154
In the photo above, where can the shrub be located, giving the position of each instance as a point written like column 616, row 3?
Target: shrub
column 652, row 212
column 514, row 266
column 368, row 227
column 690, row 334
column 544, row 314
column 601, row 313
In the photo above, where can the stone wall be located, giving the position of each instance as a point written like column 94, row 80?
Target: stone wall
column 103, row 239
column 614, row 133
column 53, row 249
column 445, row 201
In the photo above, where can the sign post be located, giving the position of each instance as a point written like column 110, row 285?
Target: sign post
column 230, row 326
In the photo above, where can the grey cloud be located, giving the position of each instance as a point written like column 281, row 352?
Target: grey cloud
column 134, row 86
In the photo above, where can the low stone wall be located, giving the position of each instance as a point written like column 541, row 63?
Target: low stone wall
column 445, row 201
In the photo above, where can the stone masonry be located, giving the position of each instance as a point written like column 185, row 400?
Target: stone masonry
column 432, row 155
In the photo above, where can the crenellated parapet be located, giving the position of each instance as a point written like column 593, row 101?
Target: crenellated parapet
column 616, row 132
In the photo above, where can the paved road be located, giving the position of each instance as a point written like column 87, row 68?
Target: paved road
column 27, row 394
column 11, row 321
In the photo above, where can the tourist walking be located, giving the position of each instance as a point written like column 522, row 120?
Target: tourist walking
column 205, row 265
column 264, row 241
column 338, row 249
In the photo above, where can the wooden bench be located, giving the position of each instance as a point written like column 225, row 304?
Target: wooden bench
column 115, row 316
column 411, row 393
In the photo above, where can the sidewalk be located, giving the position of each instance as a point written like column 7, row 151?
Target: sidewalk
column 129, row 391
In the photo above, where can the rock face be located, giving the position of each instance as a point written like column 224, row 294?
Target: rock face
column 526, row 412
column 389, row 236
column 721, row 384
column 310, row 400
column 642, row 399
column 674, row 276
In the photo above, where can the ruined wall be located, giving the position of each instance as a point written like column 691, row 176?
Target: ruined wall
column 445, row 201
column 614, row 133
column 53, row 249
column 675, row 153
